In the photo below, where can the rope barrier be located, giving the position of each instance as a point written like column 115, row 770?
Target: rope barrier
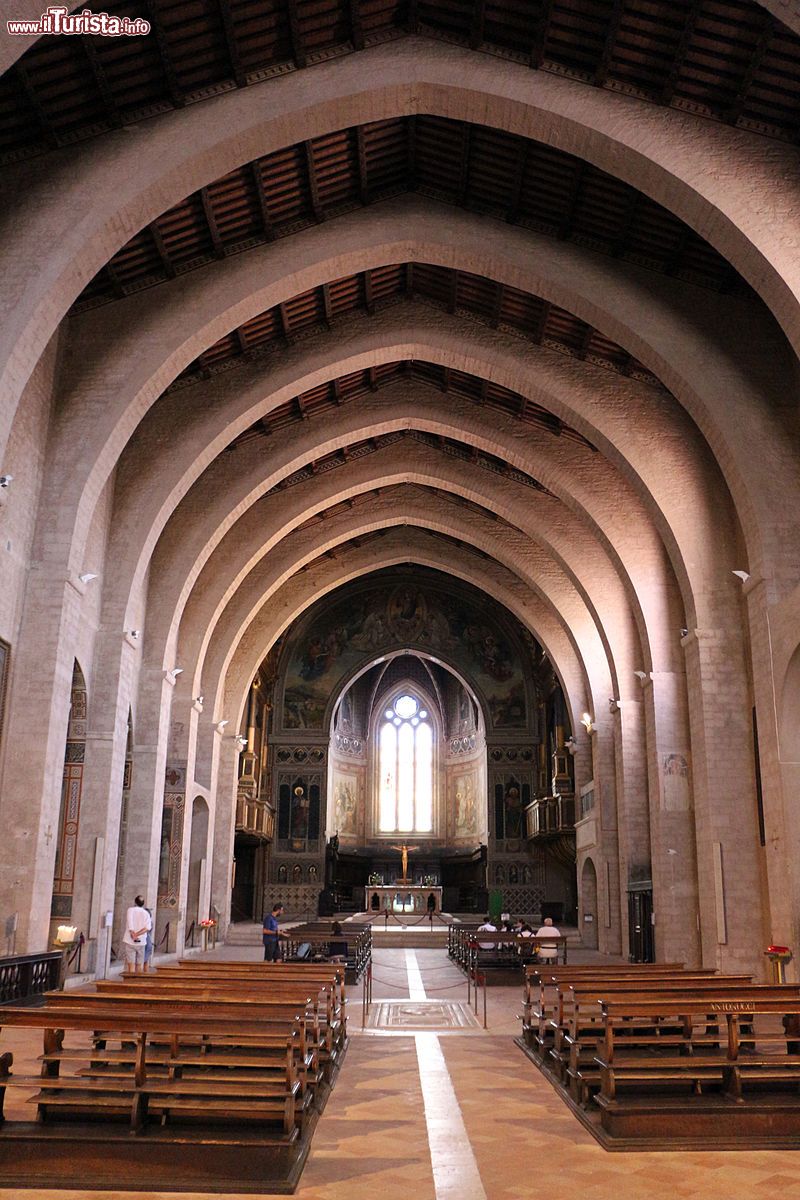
column 450, row 987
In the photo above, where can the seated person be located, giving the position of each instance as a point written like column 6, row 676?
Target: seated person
column 548, row 951
column 487, row 927
column 337, row 950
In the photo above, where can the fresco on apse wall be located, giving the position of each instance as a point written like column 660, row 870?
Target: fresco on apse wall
column 466, row 809
column 405, row 618
column 345, row 804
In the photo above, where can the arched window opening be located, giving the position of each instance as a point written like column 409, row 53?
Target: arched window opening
column 405, row 743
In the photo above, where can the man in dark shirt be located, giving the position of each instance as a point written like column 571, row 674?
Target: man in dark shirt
column 271, row 934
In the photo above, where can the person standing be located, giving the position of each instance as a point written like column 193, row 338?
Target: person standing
column 271, row 933
column 134, row 941
column 149, row 944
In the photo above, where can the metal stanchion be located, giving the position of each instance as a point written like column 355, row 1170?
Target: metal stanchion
column 485, row 1026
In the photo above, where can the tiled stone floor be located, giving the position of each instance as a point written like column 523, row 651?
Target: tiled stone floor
column 393, row 1107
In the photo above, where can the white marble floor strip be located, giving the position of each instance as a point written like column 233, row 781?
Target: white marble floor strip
column 416, row 988
column 455, row 1171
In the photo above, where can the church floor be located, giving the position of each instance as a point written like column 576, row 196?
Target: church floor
column 463, row 1115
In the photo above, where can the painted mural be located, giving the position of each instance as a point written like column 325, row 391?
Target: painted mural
column 466, row 805
column 345, row 804
column 404, row 617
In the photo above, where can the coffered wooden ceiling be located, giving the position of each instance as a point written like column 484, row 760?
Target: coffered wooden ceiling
column 480, row 169
column 728, row 60
column 445, row 289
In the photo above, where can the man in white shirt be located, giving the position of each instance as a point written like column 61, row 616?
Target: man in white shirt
column 548, row 951
column 487, row 927
column 138, row 923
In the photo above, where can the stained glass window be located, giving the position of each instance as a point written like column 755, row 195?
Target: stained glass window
column 405, row 749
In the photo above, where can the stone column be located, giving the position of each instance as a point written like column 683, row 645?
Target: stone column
column 38, row 711
column 728, row 860
column 106, row 742
column 673, row 847
column 146, row 801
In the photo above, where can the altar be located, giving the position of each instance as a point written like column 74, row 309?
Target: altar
column 400, row 898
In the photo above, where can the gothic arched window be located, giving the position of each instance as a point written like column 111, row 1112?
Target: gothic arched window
column 405, row 745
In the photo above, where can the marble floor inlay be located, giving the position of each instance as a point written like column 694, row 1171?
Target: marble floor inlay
column 422, row 1014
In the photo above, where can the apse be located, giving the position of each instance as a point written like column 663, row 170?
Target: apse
column 406, row 708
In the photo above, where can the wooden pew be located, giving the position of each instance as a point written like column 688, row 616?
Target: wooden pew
column 729, row 1044
column 270, row 976
column 326, row 1000
column 540, row 994
column 577, row 1026
column 272, row 1098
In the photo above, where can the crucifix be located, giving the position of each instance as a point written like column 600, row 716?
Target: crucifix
column 404, row 849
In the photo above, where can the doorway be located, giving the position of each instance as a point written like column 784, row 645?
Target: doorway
column 641, row 947
column 589, row 906
column 248, row 879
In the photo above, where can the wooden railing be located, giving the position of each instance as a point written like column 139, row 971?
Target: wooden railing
column 25, row 976
column 550, row 816
column 255, row 816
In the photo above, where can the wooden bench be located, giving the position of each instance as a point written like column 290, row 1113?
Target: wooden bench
column 753, row 1078
column 277, row 978
column 329, row 1013
column 273, row 1098
column 501, row 957
column 577, row 1027
column 540, row 991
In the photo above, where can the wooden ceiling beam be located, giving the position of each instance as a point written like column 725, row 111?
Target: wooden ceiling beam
column 620, row 242
column 497, row 304
column 356, row 25
column 411, row 151
column 585, row 342
column 161, row 250
column 753, row 66
column 515, row 195
column 174, row 90
column 541, row 324
column 231, row 46
column 241, row 338
column 261, row 198
column 296, row 35
column 477, row 23
column 101, row 82
column 369, row 299
column 573, row 200
column 670, row 83
column 363, row 170
column 466, row 152
column 327, row 309
column 452, row 300
column 541, row 31
column 211, row 219
column 31, row 95
column 111, row 271
column 283, row 316
column 313, row 186
column 607, row 57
